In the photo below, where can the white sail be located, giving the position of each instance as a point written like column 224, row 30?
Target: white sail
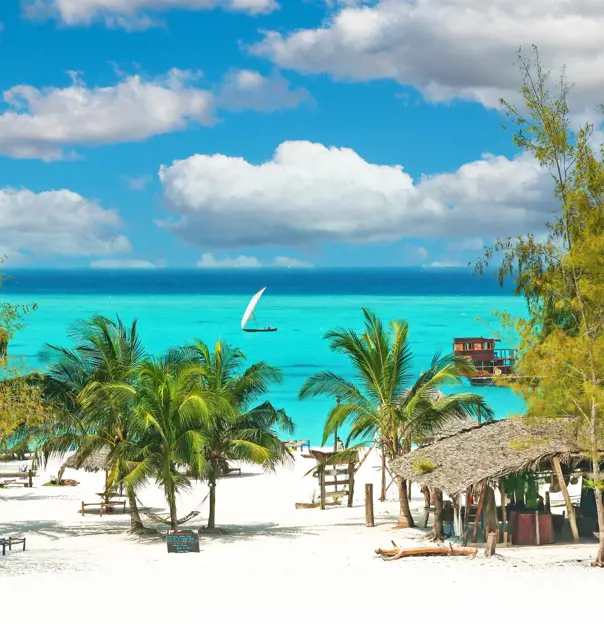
column 249, row 311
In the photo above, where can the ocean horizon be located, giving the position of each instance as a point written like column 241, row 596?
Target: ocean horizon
column 176, row 306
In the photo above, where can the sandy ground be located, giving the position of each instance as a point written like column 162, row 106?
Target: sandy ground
column 274, row 561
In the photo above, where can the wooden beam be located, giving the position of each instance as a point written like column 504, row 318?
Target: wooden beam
column 504, row 512
column 322, row 486
column 569, row 506
column 350, row 484
column 479, row 510
column 369, row 518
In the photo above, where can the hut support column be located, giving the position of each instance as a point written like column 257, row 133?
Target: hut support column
column 457, row 520
column 569, row 506
column 466, row 516
column 504, row 512
column 479, row 510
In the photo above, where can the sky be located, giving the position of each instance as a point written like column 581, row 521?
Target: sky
column 259, row 133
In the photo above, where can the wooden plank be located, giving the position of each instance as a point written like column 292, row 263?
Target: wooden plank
column 369, row 518
column 569, row 506
column 343, row 482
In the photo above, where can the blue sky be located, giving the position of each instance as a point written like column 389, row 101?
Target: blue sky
column 290, row 121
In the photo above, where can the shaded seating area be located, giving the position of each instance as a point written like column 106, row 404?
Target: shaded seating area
column 514, row 460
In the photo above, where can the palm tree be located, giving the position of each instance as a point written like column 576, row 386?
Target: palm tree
column 91, row 386
column 234, row 430
column 384, row 402
column 168, row 419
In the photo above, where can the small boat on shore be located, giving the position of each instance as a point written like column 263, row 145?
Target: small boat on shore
column 490, row 363
column 249, row 314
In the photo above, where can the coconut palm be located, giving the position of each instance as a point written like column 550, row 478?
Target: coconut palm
column 235, row 429
column 91, row 387
column 168, row 419
column 384, row 401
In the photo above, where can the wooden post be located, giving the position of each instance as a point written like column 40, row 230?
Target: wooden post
column 548, row 505
column 82, row 507
column 369, row 519
column 31, row 481
column 504, row 512
column 409, row 484
column 537, row 528
column 322, row 486
column 350, row 483
column 479, row 510
column 569, row 506
column 489, row 551
column 466, row 516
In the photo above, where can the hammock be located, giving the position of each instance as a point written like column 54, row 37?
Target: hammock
column 166, row 519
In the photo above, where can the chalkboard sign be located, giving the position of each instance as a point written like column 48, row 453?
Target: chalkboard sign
column 182, row 541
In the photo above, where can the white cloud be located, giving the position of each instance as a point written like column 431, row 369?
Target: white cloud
column 42, row 123
column 132, row 14
column 209, row 261
column 247, row 89
column 450, row 48
column 137, row 183
column 58, row 223
column 119, row 263
column 311, row 193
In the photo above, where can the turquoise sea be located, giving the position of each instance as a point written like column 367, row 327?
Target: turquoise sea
column 174, row 307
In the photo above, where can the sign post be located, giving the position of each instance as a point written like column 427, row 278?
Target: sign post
column 182, row 541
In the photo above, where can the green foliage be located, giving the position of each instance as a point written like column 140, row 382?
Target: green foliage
column 561, row 275
column 422, row 466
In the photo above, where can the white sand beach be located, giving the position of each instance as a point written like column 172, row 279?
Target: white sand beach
column 274, row 561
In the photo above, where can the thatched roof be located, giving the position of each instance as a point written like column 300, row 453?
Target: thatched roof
column 91, row 462
column 491, row 450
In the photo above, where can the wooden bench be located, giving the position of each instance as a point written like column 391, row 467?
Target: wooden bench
column 10, row 541
column 228, row 471
column 25, row 476
column 104, row 505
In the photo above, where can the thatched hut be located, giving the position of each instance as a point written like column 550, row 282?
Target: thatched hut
column 478, row 457
column 94, row 461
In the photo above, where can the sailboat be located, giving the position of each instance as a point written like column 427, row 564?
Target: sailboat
column 249, row 313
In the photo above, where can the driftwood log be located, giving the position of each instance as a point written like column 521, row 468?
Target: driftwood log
column 393, row 554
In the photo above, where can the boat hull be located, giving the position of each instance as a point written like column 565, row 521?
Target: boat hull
column 261, row 331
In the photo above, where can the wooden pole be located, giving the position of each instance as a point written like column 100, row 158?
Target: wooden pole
column 369, row 518
column 466, row 516
column 410, row 484
column 504, row 512
column 31, row 482
column 479, row 510
column 383, row 490
column 322, row 486
column 548, row 505
column 569, row 506
column 537, row 528
column 426, row 492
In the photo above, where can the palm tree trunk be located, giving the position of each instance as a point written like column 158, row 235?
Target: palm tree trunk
column 171, row 496
column 383, row 490
column 136, row 524
column 212, row 515
column 406, row 519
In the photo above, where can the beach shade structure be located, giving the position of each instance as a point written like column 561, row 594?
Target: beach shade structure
column 473, row 459
column 90, row 461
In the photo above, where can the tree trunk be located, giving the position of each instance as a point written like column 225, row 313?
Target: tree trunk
column 136, row 524
column 600, row 512
column 171, row 496
column 438, row 533
column 406, row 519
column 426, row 493
column 383, row 490
column 212, row 515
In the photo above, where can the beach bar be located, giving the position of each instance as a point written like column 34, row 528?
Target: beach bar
column 505, row 460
